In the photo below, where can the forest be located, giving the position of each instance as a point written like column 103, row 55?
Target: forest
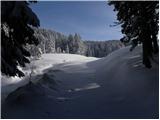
column 55, row 42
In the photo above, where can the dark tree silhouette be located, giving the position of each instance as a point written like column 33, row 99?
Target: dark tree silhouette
column 16, row 32
column 139, row 22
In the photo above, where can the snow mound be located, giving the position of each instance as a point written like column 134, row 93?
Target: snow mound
column 35, row 70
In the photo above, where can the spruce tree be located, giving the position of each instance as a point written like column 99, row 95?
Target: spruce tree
column 16, row 32
column 139, row 22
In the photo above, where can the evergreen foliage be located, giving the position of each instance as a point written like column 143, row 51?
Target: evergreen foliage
column 54, row 42
column 139, row 22
column 16, row 32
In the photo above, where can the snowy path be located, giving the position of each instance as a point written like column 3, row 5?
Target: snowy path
column 117, row 86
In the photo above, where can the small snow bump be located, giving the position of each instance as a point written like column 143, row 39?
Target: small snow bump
column 86, row 87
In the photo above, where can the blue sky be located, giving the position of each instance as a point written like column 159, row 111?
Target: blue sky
column 91, row 19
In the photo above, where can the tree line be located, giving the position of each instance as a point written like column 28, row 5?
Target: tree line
column 54, row 42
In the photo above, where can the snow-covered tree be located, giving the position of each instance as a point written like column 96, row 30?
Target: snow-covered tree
column 46, row 44
column 139, row 21
column 16, row 32
column 67, row 49
column 102, row 48
column 54, row 42
column 71, row 43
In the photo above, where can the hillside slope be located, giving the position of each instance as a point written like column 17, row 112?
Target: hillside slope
column 116, row 86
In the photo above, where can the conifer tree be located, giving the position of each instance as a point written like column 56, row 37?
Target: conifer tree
column 139, row 22
column 16, row 32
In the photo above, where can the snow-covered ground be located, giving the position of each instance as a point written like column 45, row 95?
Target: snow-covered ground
column 38, row 67
column 74, row 86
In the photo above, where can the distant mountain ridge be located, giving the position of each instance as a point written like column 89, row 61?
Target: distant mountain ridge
column 54, row 42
